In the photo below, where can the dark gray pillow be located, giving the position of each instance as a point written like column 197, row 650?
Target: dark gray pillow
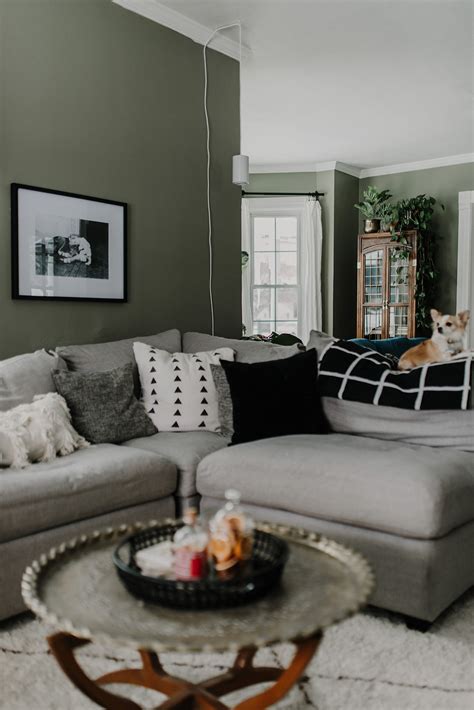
column 224, row 401
column 103, row 405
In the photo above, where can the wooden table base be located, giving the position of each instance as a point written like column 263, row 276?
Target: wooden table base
column 183, row 695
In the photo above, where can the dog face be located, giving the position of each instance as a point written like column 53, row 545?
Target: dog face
column 449, row 326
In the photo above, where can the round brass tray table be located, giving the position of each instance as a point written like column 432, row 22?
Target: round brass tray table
column 75, row 588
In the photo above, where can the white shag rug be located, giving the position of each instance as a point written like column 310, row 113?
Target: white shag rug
column 369, row 662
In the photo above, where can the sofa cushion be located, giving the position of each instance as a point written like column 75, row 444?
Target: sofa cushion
column 85, row 484
column 185, row 449
column 430, row 427
column 100, row 357
column 245, row 350
column 24, row 376
column 275, row 398
column 177, row 388
column 389, row 346
column 413, row 491
column 319, row 341
column 103, row 406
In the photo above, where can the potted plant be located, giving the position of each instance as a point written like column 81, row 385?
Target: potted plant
column 388, row 217
column 372, row 207
column 417, row 213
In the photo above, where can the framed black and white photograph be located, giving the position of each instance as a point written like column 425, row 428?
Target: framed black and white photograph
column 67, row 246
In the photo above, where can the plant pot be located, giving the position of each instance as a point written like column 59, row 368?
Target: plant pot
column 371, row 226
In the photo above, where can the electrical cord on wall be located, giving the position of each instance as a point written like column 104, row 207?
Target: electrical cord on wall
column 208, row 150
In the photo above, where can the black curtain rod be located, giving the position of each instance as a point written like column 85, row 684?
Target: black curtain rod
column 315, row 194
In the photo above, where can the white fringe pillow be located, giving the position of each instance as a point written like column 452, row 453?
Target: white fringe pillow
column 37, row 432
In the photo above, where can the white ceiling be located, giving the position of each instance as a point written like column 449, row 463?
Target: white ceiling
column 364, row 82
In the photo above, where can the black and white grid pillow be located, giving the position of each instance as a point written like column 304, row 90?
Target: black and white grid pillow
column 178, row 389
column 352, row 372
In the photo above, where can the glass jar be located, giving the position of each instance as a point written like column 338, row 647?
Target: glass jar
column 190, row 549
column 230, row 535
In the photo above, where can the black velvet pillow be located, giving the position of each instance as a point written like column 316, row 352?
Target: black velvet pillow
column 103, row 405
column 275, row 398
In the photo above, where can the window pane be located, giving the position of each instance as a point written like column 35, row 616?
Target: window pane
column 287, row 326
column 287, row 303
column 264, row 234
column 263, row 304
column 373, row 323
column 399, row 271
column 262, row 327
column 286, row 233
column 264, row 268
column 398, row 322
column 287, row 268
column 373, row 275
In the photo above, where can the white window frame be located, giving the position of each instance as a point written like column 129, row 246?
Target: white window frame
column 465, row 281
column 274, row 207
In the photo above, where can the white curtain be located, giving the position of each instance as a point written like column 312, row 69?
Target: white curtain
column 311, row 242
column 246, row 273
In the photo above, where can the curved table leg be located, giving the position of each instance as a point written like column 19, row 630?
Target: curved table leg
column 305, row 650
column 62, row 646
column 183, row 694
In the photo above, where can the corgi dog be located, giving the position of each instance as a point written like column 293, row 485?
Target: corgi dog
column 447, row 341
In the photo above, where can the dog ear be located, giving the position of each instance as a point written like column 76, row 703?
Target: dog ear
column 464, row 317
column 435, row 314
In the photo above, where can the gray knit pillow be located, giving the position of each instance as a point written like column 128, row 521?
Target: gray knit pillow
column 224, row 401
column 103, row 406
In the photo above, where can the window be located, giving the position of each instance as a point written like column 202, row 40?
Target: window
column 275, row 282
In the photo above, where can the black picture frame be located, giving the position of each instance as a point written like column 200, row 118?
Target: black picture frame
column 107, row 239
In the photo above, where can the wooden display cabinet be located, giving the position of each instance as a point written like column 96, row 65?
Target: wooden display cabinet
column 385, row 287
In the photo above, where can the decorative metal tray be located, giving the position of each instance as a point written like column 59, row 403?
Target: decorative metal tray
column 74, row 587
column 258, row 576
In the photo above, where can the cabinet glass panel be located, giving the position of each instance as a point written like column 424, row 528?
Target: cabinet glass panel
column 373, row 323
column 398, row 321
column 373, row 276
column 399, row 275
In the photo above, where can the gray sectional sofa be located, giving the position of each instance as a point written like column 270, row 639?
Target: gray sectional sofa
column 409, row 508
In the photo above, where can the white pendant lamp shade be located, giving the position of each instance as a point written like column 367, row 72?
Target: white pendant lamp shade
column 240, row 169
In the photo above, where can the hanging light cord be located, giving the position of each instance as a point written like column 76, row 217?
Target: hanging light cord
column 208, row 149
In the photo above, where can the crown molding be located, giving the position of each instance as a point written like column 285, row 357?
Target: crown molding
column 362, row 172
column 156, row 11
column 418, row 165
column 353, row 170
column 283, row 167
column 305, row 168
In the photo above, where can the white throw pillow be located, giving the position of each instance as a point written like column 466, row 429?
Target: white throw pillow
column 178, row 389
column 37, row 432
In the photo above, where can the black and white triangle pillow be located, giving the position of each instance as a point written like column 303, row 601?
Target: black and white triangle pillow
column 178, row 389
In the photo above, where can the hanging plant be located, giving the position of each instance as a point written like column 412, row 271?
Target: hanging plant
column 417, row 213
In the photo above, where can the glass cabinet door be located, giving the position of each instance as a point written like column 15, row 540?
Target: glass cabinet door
column 398, row 293
column 373, row 291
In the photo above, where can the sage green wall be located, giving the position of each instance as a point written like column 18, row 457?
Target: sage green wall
column 309, row 182
column 346, row 194
column 100, row 101
column 444, row 184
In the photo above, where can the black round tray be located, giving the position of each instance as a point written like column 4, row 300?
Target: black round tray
column 260, row 574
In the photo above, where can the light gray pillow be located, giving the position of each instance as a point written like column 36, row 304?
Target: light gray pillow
column 319, row 341
column 245, row 350
column 224, row 401
column 429, row 427
column 102, row 357
column 24, row 376
column 103, row 406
